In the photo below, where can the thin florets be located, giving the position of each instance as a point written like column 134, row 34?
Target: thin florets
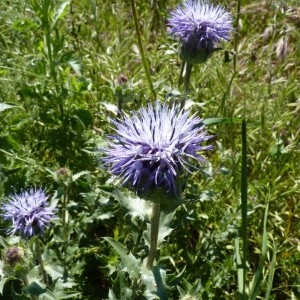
column 200, row 27
column 28, row 212
column 154, row 146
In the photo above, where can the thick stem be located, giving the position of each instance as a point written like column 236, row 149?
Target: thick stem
column 153, row 233
column 38, row 254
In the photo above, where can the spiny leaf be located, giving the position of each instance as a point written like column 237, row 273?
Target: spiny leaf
column 130, row 264
column 135, row 206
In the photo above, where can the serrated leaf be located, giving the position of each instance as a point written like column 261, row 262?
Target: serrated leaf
column 120, row 290
column 129, row 263
column 79, row 174
column 54, row 271
column 135, row 206
column 164, row 228
column 155, row 282
column 148, row 279
column 33, row 273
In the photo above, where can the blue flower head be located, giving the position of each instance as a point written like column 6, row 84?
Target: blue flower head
column 28, row 212
column 199, row 27
column 155, row 146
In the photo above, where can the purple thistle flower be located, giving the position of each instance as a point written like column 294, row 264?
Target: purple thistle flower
column 155, row 146
column 200, row 27
column 28, row 212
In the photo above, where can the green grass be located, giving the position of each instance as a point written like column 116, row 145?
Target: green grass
column 63, row 102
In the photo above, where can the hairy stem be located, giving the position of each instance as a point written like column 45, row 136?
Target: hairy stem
column 153, row 233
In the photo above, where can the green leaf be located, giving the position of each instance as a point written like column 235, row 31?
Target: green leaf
column 60, row 12
column 214, row 121
column 135, row 206
column 4, row 243
column 54, row 271
column 258, row 276
column 75, row 66
column 48, row 295
column 79, row 174
column 164, row 228
column 129, row 263
column 160, row 279
column 4, row 106
column 34, row 288
column 16, row 296
column 3, row 282
column 271, row 273
column 24, row 25
column 120, row 290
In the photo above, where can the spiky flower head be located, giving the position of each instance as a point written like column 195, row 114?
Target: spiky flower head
column 200, row 27
column 28, row 212
column 155, row 146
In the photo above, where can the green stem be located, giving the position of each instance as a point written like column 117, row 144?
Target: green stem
column 186, row 71
column 65, row 230
column 180, row 80
column 187, row 76
column 153, row 233
column 140, row 44
column 40, row 259
column 244, row 201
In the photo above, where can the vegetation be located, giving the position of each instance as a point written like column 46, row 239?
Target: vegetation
column 67, row 67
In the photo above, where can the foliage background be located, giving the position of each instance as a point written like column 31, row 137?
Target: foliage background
column 65, row 72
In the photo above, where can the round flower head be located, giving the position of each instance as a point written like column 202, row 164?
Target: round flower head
column 28, row 212
column 200, row 27
column 154, row 146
